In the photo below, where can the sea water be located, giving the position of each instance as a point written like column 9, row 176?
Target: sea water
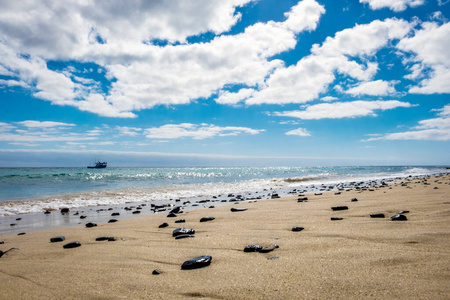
column 34, row 190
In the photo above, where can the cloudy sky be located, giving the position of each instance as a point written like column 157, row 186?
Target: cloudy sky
column 229, row 82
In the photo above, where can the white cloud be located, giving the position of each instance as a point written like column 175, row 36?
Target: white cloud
column 226, row 97
column 128, row 131
column 44, row 124
column 339, row 110
column 36, row 131
column 313, row 74
column 299, row 132
column 430, row 47
column 436, row 129
column 144, row 74
column 328, row 98
column 11, row 83
column 395, row 5
column 373, row 88
column 198, row 132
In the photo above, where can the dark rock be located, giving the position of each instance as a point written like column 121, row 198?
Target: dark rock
column 337, row 193
column 399, row 217
column 112, row 221
column 176, row 210
column 115, row 214
column 64, row 210
column 83, row 217
column 163, row 225
column 297, row 228
column 339, row 207
column 111, row 239
column 275, row 196
column 180, row 221
column 269, row 248
column 336, row 219
column 57, row 239
column 377, row 215
column 182, row 230
column 238, row 209
column 252, row 248
column 21, row 233
column 156, row 272
column 18, row 219
column 72, row 245
column 90, row 225
column 172, row 215
column 197, row 262
column 47, row 212
column 136, row 212
column 2, row 242
column 206, row 219
column 354, row 200
column 102, row 238
column 182, row 236
column 318, row 194
column 13, row 224
column 302, row 199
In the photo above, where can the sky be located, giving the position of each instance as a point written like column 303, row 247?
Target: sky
column 224, row 83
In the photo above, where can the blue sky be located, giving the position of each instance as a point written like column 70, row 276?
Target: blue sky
column 231, row 82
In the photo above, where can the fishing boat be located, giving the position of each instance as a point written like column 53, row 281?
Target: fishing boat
column 98, row 165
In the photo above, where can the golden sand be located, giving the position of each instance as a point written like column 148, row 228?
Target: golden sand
column 355, row 258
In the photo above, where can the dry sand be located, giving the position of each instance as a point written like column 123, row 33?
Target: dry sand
column 356, row 258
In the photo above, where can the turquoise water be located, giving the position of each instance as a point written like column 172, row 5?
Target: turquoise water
column 28, row 190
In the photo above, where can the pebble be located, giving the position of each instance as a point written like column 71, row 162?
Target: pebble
column 297, row 228
column 238, row 209
column 336, row 219
column 182, row 236
column 353, row 200
column 72, row 245
column 90, row 225
column 182, row 230
column 377, row 215
column 206, row 219
column 172, row 215
column 112, row 221
column 21, row 233
column 57, row 239
column 136, row 212
column 115, row 214
column 252, row 248
column 339, row 207
column 399, row 217
column 156, row 272
column 180, row 221
column 269, row 248
column 106, row 238
column 197, row 262
column 163, row 225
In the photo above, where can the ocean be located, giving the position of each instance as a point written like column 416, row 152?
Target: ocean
column 34, row 190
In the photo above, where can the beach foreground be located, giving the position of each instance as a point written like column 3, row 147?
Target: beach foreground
column 358, row 257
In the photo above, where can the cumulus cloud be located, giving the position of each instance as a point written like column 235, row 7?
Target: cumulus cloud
column 436, row 129
column 430, row 47
column 299, row 132
column 395, row 5
column 197, row 132
column 348, row 53
column 339, row 110
column 373, row 88
column 121, row 39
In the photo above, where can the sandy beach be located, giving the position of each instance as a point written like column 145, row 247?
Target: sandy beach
column 358, row 257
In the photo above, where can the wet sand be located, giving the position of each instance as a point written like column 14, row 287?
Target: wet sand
column 357, row 257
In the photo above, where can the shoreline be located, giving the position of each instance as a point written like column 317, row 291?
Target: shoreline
column 102, row 213
column 353, row 258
